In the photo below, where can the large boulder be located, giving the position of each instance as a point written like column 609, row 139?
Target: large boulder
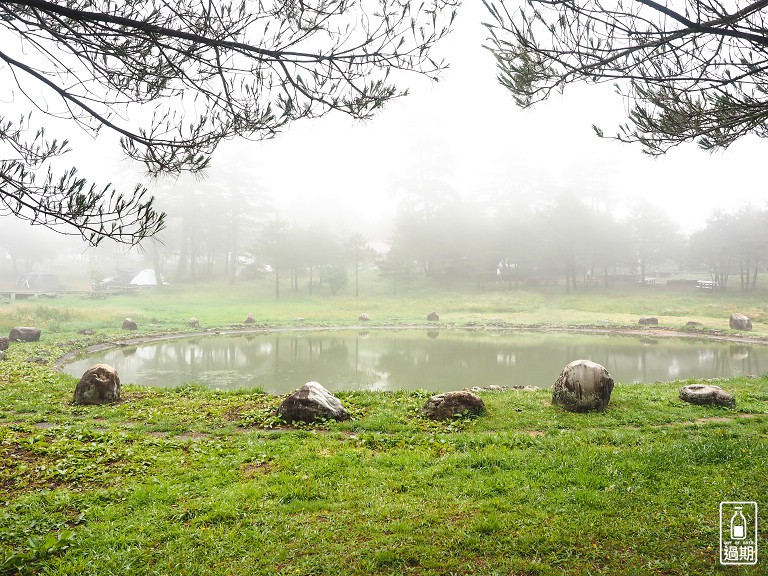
column 309, row 403
column 4, row 343
column 100, row 384
column 707, row 395
column 449, row 405
column 24, row 334
column 740, row 322
column 129, row 324
column 583, row 385
column 433, row 317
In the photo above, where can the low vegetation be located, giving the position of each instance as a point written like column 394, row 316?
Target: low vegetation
column 196, row 481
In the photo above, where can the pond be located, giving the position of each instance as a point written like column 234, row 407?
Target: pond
column 279, row 362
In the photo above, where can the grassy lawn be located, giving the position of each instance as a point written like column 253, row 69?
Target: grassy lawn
column 193, row 481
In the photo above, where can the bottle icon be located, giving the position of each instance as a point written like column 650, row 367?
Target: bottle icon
column 738, row 525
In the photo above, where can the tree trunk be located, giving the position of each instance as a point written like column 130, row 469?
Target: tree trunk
column 754, row 274
column 277, row 282
column 357, row 291
column 156, row 264
column 181, row 267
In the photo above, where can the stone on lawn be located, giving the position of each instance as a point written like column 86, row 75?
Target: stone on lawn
column 250, row 319
column 193, row 323
column 100, row 384
column 309, row 403
column 740, row 322
column 449, row 405
column 4, row 343
column 24, row 334
column 707, row 395
column 129, row 324
column 648, row 321
column 433, row 317
column 364, row 317
column 2, row 355
column 583, row 385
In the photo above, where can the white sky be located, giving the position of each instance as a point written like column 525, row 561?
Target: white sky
column 335, row 169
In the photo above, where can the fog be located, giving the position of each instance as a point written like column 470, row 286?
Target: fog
column 461, row 139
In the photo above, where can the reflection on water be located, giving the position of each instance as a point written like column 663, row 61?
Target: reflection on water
column 409, row 359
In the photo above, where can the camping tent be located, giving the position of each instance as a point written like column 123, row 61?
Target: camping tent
column 38, row 281
column 145, row 278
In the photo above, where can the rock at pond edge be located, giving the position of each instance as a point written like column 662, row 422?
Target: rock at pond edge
column 739, row 321
column 310, row 403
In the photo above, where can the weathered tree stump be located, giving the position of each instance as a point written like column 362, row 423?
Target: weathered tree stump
column 583, row 385
column 100, row 384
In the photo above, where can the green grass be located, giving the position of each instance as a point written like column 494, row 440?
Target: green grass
column 193, row 481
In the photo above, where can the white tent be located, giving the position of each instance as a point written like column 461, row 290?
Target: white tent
column 145, row 278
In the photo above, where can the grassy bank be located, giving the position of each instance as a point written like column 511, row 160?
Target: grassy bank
column 222, row 305
column 192, row 481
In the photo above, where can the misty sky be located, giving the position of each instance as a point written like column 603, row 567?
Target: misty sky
column 467, row 131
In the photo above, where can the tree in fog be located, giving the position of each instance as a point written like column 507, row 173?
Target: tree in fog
column 750, row 240
column 337, row 277
column 398, row 265
column 611, row 246
column 733, row 243
column 174, row 79
column 690, row 71
column 24, row 248
column 360, row 255
column 520, row 241
column 569, row 224
column 713, row 247
column 463, row 244
column 274, row 248
column 211, row 221
column 318, row 251
column 654, row 236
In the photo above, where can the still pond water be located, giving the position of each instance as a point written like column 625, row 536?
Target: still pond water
column 413, row 359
